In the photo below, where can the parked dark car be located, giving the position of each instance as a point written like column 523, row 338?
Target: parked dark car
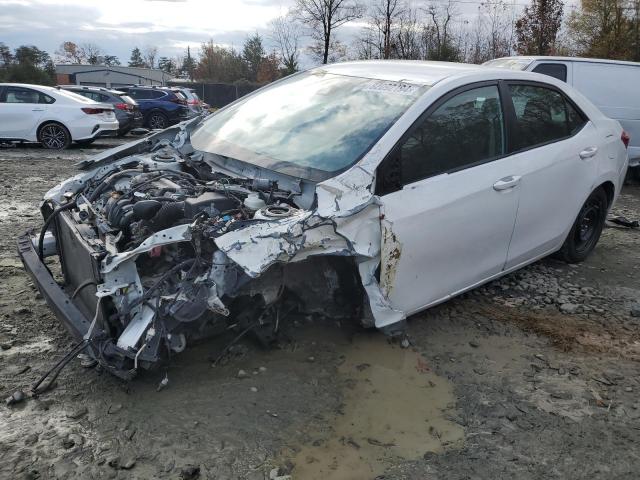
column 161, row 107
column 126, row 109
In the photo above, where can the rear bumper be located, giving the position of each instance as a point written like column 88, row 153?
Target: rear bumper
column 106, row 133
column 100, row 130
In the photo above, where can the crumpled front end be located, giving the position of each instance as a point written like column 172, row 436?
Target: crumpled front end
column 159, row 245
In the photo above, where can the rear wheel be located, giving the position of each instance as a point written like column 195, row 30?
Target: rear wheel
column 586, row 230
column 157, row 120
column 54, row 136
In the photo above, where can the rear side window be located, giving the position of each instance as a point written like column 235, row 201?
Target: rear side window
column 24, row 95
column 543, row 115
column 555, row 70
column 157, row 93
column 465, row 130
column 96, row 97
column 141, row 94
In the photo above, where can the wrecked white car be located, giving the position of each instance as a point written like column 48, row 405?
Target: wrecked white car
column 367, row 190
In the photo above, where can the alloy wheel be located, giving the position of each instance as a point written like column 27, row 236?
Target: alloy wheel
column 53, row 136
column 157, row 121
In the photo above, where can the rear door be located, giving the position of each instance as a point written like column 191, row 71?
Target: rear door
column 20, row 110
column 556, row 150
column 449, row 200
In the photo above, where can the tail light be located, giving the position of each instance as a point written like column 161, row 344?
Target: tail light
column 95, row 111
column 625, row 137
column 123, row 106
column 179, row 101
column 194, row 102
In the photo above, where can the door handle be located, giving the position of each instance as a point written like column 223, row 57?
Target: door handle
column 506, row 183
column 588, row 152
column 37, row 109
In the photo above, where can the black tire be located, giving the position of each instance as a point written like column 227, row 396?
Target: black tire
column 88, row 141
column 157, row 120
column 586, row 229
column 54, row 136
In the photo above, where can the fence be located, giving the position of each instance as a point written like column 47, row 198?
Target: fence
column 219, row 94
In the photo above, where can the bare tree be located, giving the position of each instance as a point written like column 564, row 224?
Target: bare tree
column 368, row 44
column 376, row 40
column 92, row 53
column 406, row 38
column 479, row 50
column 499, row 28
column 150, row 54
column 437, row 34
column 323, row 17
column 286, row 34
column 385, row 14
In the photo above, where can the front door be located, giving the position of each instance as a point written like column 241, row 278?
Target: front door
column 449, row 201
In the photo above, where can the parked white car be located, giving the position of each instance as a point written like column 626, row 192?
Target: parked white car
column 51, row 116
column 612, row 85
column 364, row 190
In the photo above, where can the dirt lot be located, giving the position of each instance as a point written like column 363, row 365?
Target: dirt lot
column 535, row 376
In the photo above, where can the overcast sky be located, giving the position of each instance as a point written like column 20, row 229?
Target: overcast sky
column 119, row 25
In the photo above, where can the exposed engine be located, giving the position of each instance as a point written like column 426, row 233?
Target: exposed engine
column 158, row 289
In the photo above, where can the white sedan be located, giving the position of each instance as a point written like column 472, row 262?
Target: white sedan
column 53, row 117
column 366, row 190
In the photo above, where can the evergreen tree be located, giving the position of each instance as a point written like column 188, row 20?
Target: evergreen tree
column 136, row 59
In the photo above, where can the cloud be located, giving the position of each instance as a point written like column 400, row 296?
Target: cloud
column 120, row 25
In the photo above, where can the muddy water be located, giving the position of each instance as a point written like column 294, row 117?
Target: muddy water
column 394, row 409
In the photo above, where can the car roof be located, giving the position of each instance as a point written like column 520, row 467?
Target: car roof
column 30, row 85
column 531, row 58
column 91, row 88
column 412, row 71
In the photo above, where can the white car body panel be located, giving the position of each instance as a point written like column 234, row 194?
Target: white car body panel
column 437, row 238
column 21, row 121
column 428, row 272
column 555, row 183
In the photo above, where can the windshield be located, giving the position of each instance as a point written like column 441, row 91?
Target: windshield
column 510, row 63
column 313, row 125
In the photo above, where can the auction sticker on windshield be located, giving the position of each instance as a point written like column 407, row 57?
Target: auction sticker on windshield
column 401, row 88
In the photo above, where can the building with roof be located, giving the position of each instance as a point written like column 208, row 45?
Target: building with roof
column 109, row 76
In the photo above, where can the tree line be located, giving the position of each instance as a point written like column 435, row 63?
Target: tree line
column 386, row 29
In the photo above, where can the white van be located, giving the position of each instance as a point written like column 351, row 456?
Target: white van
column 612, row 85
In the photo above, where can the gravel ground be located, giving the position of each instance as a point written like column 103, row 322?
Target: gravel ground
column 534, row 376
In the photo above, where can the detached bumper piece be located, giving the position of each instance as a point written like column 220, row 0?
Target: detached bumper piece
column 101, row 348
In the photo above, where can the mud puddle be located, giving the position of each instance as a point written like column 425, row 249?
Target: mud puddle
column 393, row 409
